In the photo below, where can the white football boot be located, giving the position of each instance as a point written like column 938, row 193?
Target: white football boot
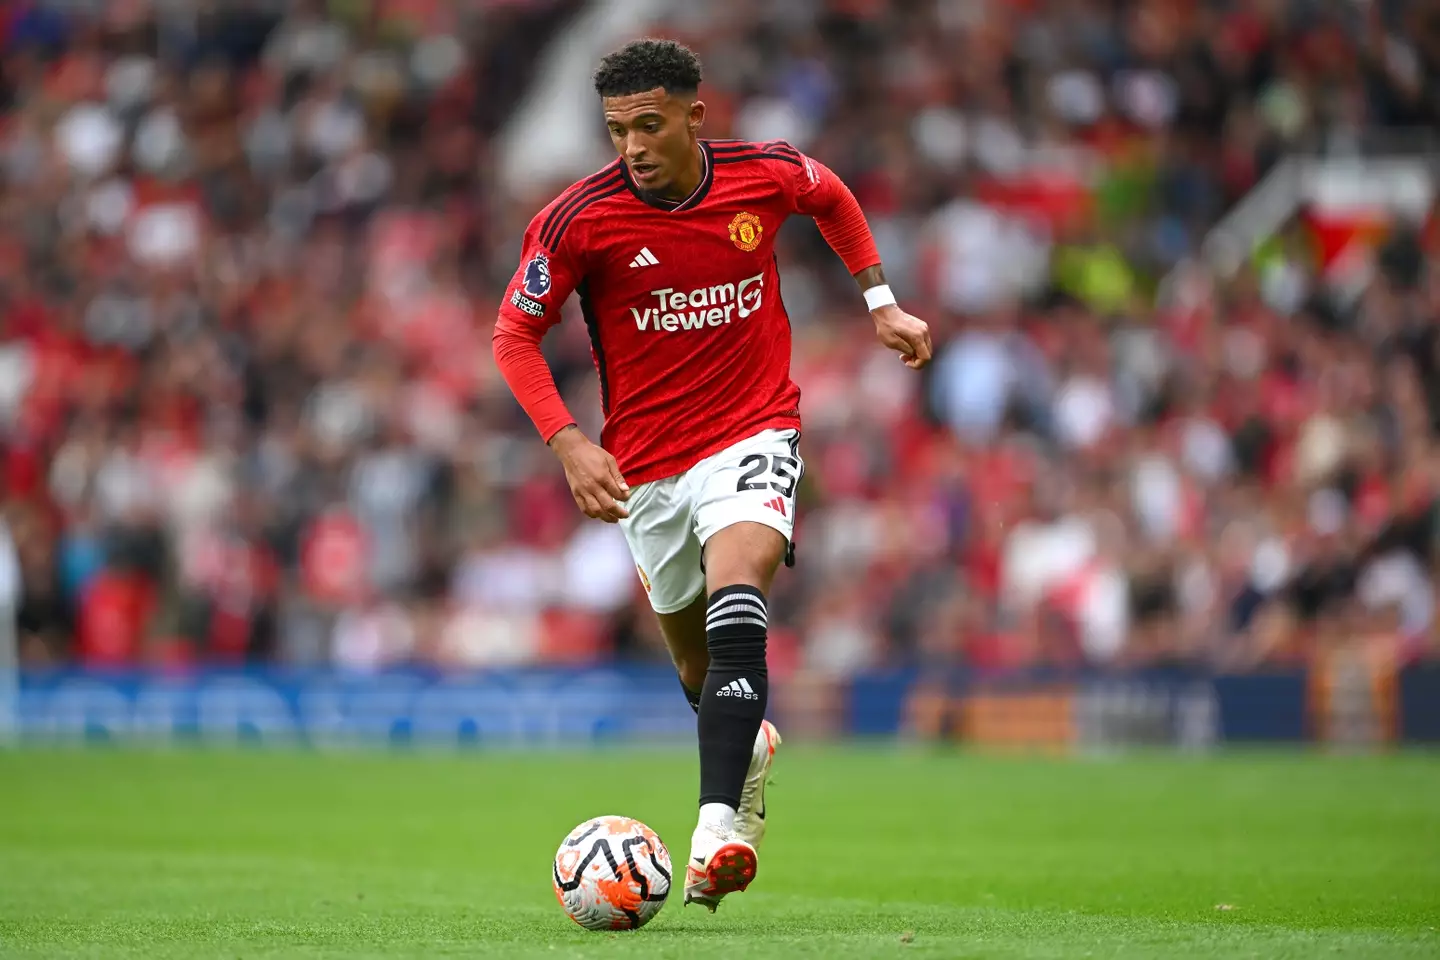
column 719, row 864
column 750, row 817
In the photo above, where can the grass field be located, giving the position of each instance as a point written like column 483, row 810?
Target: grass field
column 873, row 852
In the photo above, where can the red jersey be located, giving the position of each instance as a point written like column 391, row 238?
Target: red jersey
column 681, row 300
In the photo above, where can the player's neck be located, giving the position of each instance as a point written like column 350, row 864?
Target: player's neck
column 684, row 185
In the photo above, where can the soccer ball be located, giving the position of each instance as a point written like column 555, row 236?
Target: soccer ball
column 612, row 873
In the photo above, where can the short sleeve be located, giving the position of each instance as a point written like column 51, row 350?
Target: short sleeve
column 543, row 282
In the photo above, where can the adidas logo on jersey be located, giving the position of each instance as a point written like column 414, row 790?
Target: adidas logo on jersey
column 778, row 505
column 738, row 688
column 646, row 259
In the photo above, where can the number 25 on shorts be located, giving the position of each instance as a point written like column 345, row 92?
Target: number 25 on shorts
column 757, row 466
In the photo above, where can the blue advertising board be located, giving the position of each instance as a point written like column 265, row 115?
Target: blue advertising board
column 576, row 707
column 1262, row 706
column 537, row 707
column 1419, row 690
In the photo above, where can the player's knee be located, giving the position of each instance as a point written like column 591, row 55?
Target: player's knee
column 745, row 553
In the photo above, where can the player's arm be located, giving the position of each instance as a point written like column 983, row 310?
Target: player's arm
column 819, row 193
column 531, row 307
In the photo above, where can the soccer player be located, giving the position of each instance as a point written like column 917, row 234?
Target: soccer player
column 671, row 251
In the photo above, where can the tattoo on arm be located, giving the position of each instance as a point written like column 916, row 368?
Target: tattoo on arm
column 870, row 277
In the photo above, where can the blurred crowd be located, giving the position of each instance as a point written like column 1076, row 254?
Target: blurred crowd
column 250, row 254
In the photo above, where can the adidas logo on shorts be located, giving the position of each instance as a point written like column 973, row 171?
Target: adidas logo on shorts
column 738, row 688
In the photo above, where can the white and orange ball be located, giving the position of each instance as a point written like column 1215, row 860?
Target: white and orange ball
column 612, row 873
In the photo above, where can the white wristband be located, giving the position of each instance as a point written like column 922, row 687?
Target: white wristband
column 879, row 296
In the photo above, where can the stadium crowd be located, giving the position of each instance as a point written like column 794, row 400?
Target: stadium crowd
column 250, row 256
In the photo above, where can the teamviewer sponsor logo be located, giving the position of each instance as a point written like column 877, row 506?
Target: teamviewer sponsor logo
column 738, row 688
column 702, row 307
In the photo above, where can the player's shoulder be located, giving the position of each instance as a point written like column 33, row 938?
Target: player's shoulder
column 767, row 153
column 560, row 214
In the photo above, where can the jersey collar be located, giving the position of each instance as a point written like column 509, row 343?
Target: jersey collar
column 707, row 177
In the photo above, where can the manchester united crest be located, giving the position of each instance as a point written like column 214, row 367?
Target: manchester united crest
column 745, row 231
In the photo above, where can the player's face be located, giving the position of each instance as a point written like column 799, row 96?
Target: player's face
column 655, row 133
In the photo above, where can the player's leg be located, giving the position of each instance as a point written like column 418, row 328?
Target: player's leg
column 684, row 633
column 740, row 564
column 667, row 553
column 744, row 517
column 661, row 535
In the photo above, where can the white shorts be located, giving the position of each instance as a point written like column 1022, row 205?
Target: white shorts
column 671, row 519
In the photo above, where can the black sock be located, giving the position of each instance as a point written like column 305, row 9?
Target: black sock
column 692, row 697
column 736, row 689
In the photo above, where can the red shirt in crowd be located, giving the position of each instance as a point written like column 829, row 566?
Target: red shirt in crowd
column 114, row 616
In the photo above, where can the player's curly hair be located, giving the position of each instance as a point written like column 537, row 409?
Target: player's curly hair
column 645, row 64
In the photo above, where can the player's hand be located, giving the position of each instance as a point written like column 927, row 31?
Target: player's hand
column 593, row 474
column 907, row 335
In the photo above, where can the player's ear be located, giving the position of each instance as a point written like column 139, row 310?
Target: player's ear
column 696, row 116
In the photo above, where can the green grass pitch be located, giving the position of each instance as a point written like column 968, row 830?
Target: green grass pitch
column 873, row 852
